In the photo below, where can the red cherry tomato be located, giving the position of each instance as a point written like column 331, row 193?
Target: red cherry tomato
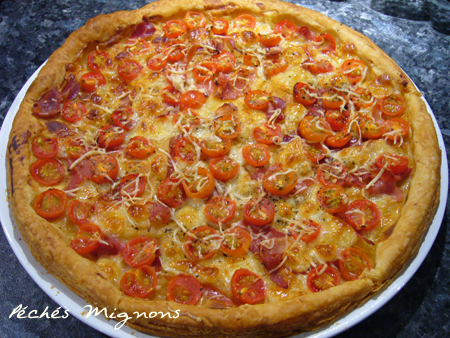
column 220, row 209
column 394, row 129
column 320, row 279
column 286, row 28
column 314, row 129
column 73, row 111
column 245, row 20
column 139, row 147
column 75, row 148
column 111, row 137
column 275, row 67
column 79, row 212
column 248, row 287
column 257, row 155
column 236, row 242
column 122, row 118
column 396, row 164
column 199, row 243
column 204, row 71
column 185, row 150
column 171, row 192
column 50, row 204
column 302, row 94
column 354, row 70
column 215, row 148
column 47, row 171
column 45, row 147
column 192, row 99
column 332, row 174
column 140, row 251
column 224, row 168
column 98, row 60
column 132, row 185
column 333, row 199
column 269, row 39
column 104, row 169
column 393, row 105
column 353, row 262
column 200, row 188
column 87, row 239
column 227, row 126
column 279, row 182
column 220, row 26
column 260, row 213
column 184, row 289
column 319, row 67
column 325, row 43
column 170, row 95
column 338, row 139
column 195, row 19
column 332, row 99
column 139, row 282
column 337, row 119
column 224, row 62
column 129, row 70
column 91, row 81
column 174, row 28
column 267, row 133
column 156, row 64
column 363, row 215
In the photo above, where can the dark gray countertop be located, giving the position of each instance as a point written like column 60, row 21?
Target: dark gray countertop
column 30, row 30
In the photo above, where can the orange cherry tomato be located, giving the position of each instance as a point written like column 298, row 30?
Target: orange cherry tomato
column 393, row 105
column 353, row 262
column 171, row 192
column 122, row 118
column 337, row 119
column 132, row 185
column 279, row 182
column 331, row 99
column 170, row 95
column 75, row 148
column 245, row 20
column 257, row 99
column 192, row 99
column 369, row 129
column 286, row 28
column 314, row 152
column 50, row 204
column 139, row 282
column 98, row 60
column 308, row 233
column 224, row 168
column 199, row 243
column 87, row 239
column 139, row 147
column 73, row 111
column 236, row 242
column 332, row 174
column 319, row 67
column 200, row 188
column 333, row 199
column 111, row 137
column 353, row 70
column 140, row 251
column 47, row 171
column 269, row 39
column 174, row 28
column 302, row 94
column 104, row 169
column 195, row 19
column 45, row 147
column 79, row 212
column 220, row 26
column 224, row 62
column 227, row 126
column 156, row 64
column 393, row 128
column 215, row 148
column 259, row 214
column 314, row 129
column 363, row 215
column 325, row 43
column 91, row 81
column 339, row 139
column 220, row 209
column 185, row 150
column 257, row 155
column 396, row 164
column 129, row 70
column 361, row 98
column 248, row 287
column 204, row 71
column 184, row 289
column 274, row 67
column 320, row 280
column 267, row 133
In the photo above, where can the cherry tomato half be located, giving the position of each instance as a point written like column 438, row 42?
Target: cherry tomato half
column 279, row 182
column 47, row 171
column 50, row 204
column 227, row 126
column 393, row 105
column 220, row 209
column 353, row 262
column 320, row 280
column 220, row 26
column 192, row 99
column 314, row 128
column 353, row 70
column 302, row 94
column 104, row 169
column 394, row 128
column 87, row 239
column 248, row 287
column 91, row 81
column 236, row 241
column 122, row 118
column 43, row 147
column 184, row 289
column 139, row 147
column 140, row 251
column 363, row 215
column 215, row 148
column 267, row 133
column 195, row 19
column 174, row 28
column 396, row 164
column 333, row 199
column 199, row 244
column 139, row 282
column 224, row 168
column 79, row 212
column 73, row 111
column 286, row 28
column 98, row 60
column 111, row 137
column 260, row 213
column 171, row 192
column 202, row 186
column 245, row 20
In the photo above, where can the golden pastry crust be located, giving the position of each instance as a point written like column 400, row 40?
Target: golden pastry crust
column 284, row 318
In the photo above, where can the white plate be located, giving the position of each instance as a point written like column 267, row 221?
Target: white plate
column 69, row 301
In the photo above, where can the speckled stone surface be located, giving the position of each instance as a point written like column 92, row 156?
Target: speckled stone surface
column 31, row 29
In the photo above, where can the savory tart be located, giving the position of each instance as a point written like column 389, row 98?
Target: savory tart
column 253, row 167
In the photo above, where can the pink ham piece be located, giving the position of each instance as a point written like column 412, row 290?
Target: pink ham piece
column 48, row 105
column 143, row 30
column 71, row 89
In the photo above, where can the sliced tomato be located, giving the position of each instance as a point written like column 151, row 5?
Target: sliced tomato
column 192, row 99
column 184, row 289
column 353, row 262
column 227, row 126
column 204, row 71
column 156, row 64
column 50, row 204
column 129, row 70
column 170, row 95
column 195, row 19
column 308, row 233
column 175, row 51
column 363, row 215
column 224, row 62
column 245, row 21
column 248, row 287
column 87, row 239
column 158, row 213
column 185, row 150
column 132, row 185
column 202, row 186
column 267, row 133
column 302, row 94
column 259, row 213
column 314, row 129
column 174, row 28
column 98, row 60
column 279, row 182
column 369, row 129
column 220, row 26
column 319, row 67
column 110, row 137
column 79, row 212
column 275, row 67
column 354, row 70
column 236, row 241
column 75, row 148
column 224, row 168
column 47, row 171
column 332, row 99
column 332, row 174
column 186, row 120
column 314, row 152
column 43, row 147
column 320, row 279
column 338, row 139
column 393, row 105
column 140, row 251
column 325, row 43
column 73, row 111
column 257, row 155
column 286, row 28
column 122, row 118
column 104, row 169
column 220, row 209
column 394, row 129
column 215, row 148
column 139, row 282
column 361, row 98
column 91, row 81
column 171, row 192
column 257, row 99
column 333, row 199
column 139, row 147
column 269, row 39
column 337, row 119
column 396, row 164
column 200, row 243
